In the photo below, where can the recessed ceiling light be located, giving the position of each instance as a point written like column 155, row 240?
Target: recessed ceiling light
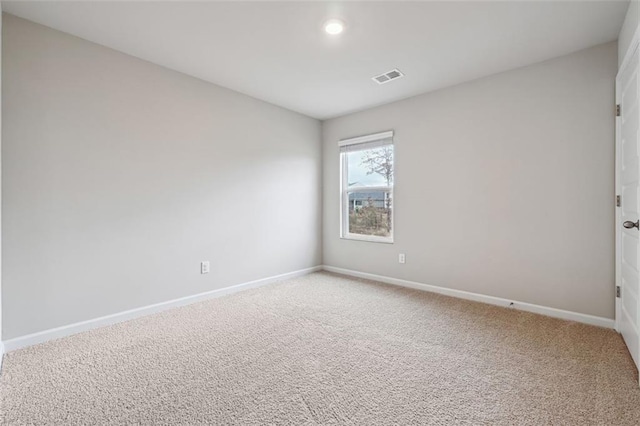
column 334, row 26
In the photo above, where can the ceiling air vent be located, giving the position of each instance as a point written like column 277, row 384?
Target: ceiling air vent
column 388, row 76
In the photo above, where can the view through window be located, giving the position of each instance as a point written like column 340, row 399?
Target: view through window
column 367, row 187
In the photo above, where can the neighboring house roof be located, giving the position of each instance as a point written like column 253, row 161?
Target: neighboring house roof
column 375, row 195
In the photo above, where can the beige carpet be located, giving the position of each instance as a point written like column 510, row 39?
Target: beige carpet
column 325, row 349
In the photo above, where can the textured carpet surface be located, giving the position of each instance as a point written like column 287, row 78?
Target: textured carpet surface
column 325, row 349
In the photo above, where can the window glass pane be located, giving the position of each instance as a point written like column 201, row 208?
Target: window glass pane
column 370, row 167
column 370, row 213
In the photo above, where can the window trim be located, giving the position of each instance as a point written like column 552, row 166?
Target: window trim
column 345, row 190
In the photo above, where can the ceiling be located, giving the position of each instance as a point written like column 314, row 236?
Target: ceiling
column 277, row 51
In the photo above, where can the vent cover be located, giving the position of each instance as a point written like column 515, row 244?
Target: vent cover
column 388, row 76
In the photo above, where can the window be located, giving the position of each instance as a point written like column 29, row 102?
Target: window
column 367, row 188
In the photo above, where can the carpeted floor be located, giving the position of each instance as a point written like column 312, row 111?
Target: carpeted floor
column 325, row 349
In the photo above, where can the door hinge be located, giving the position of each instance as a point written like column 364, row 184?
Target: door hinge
column 618, row 110
column 617, row 291
column 618, row 201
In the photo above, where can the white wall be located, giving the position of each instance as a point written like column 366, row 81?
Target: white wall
column 120, row 176
column 1, row 348
column 504, row 185
column 629, row 28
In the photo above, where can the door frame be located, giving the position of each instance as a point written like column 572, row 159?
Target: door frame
column 635, row 44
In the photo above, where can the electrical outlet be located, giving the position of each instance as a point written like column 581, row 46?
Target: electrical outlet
column 401, row 258
column 204, row 267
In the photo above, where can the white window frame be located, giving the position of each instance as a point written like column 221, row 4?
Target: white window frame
column 345, row 190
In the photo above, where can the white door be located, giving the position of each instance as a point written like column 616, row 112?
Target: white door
column 628, row 186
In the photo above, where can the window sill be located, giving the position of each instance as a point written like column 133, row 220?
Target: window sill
column 368, row 238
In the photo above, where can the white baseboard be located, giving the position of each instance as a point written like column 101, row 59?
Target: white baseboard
column 498, row 301
column 67, row 330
